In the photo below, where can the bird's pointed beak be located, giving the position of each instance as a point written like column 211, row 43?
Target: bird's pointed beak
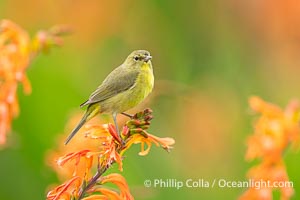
column 147, row 58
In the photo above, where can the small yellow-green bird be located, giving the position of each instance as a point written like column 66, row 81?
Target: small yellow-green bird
column 124, row 88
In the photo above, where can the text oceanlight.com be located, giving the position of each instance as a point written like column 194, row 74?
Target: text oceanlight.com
column 220, row 183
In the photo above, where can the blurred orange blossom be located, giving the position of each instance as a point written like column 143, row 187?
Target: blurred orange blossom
column 16, row 53
column 274, row 131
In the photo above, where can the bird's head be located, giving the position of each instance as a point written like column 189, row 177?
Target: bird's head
column 138, row 58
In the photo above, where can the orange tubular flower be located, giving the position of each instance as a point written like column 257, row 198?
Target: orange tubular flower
column 116, row 179
column 66, row 190
column 274, row 131
column 110, row 150
column 16, row 53
column 137, row 138
column 120, row 182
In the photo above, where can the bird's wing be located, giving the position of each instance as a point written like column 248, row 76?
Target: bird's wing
column 117, row 81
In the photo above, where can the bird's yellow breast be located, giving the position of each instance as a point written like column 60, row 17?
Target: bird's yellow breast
column 144, row 83
column 146, row 77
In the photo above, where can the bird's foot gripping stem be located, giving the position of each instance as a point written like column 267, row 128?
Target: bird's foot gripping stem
column 119, row 139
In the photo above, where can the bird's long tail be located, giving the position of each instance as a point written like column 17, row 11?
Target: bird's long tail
column 91, row 111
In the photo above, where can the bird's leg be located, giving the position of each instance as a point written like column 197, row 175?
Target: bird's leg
column 127, row 115
column 117, row 127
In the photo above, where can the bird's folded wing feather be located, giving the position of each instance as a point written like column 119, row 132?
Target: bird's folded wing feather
column 116, row 82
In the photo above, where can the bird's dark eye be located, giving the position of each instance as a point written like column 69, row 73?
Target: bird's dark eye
column 136, row 58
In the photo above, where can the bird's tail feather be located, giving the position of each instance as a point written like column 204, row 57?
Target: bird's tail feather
column 91, row 112
column 76, row 129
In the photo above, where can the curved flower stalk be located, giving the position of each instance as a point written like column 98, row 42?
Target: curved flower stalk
column 274, row 131
column 83, row 184
column 17, row 51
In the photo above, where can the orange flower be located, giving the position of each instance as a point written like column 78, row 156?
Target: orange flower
column 16, row 53
column 106, row 194
column 14, row 60
column 148, row 140
column 97, row 148
column 273, row 173
column 87, row 142
column 270, row 177
column 109, row 150
column 119, row 181
column 274, row 131
column 66, row 190
column 77, row 156
column 109, row 144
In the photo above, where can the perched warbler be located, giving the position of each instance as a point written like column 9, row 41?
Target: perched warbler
column 124, row 88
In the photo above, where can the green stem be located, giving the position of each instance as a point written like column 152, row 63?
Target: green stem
column 92, row 182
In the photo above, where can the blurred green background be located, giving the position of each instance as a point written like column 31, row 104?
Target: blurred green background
column 209, row 57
